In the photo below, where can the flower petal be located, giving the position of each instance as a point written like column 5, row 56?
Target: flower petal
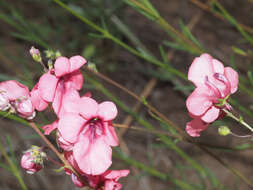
column 70, row 126
column 218, row 66
column 70, row 102
column 107, row 111
column 47, row 85
column 57, row 101
column 115, row 174
column 14, row 89
column 194, row 127
column 199, row 101
column 110, row 136
column 61, row 66
column 50, row 127
column 232, row 77
column 93, row 157
column 76, row 62
column 74, row 80
column 211, row 115
column 200, row 68
column 88, row 107
column 39, row 103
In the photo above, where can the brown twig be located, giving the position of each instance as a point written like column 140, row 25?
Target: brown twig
column 208, row 9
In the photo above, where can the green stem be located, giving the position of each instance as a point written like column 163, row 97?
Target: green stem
column 239, row 120
column 13, row 167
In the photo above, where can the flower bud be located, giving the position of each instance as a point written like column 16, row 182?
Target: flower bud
column 32, row 160
column 4, row 102
column 25, row 108
column 224, row 131
column 35, row 53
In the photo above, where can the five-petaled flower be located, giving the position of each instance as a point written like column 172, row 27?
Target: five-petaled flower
column 89, row 134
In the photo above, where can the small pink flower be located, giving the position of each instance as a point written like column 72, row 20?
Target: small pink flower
column 89, row 135
column 214, row 84
column 64, row 79
column 32, row 160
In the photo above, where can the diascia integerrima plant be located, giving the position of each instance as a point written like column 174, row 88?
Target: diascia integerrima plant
column 84, row 127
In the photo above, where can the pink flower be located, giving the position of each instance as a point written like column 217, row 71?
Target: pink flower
column 17, row 97
column 32, row 160
column 214, row 84
column 89, row 135
column 64, row 79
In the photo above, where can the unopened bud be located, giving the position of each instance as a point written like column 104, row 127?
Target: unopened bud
column 35, row 53
column 224, row 131
column 25, row 108
column 32, row 160
column 92, row 66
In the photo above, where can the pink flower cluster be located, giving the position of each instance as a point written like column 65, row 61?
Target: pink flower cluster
column 84, row 127
column 214, row 85
column 16, row 98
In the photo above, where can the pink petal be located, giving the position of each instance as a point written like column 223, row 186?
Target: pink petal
column 115, row 174
column 70, row 126
column 107, row 111
column 74, row 80
column 58, row 97
column 47, row 85
column 70, row 102
column 92, row 157
column 39, row 103
column 50, row 127
column 112, row 185
column 110, row 136
column 200, row 68
column 14, row 89
column 194, row 127
column 88, row 107
column 76, row 62
column 232, row 77
column 199, row 101
column 77, row 182
column 61, row 66
column 211, row 115
column 218, row 66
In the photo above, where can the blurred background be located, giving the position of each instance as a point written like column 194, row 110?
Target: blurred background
column 147, row 47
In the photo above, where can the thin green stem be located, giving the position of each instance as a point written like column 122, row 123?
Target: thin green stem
column 239, row 120
column 13, row 167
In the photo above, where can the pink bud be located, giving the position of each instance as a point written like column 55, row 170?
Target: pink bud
column 32, row 160
column 27, row 162
column 4, row 101
column 33, row 51
column 25, row 108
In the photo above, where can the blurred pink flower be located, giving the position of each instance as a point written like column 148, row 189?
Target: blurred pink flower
column 214, row 84
column 89, row 135
column 63, row 80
